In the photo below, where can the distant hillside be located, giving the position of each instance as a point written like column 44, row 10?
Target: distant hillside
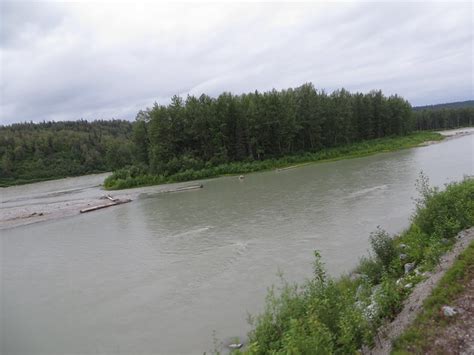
column 40, row 151
column 459, row 104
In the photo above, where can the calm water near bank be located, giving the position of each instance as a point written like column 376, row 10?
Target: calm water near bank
column 160, row 274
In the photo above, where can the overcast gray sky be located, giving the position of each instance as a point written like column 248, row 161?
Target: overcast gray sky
column 63, row 61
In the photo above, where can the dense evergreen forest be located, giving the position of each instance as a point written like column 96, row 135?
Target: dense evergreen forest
column 444, row 116
column 197, row 133
column 189, row 138
column 200, row 131
column 39, row 151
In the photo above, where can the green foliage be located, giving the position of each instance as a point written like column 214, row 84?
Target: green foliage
column 232, row 134
column 383, row 246
column 187, row 168
column 202, row 137
column 426, row 327
column 447, row 117
column 35, row 152
column 306, row 337
column 445, row 214
column 388, row 298
column 318, row 318
column 370, row 268
column 327, row 316
column 117, row 154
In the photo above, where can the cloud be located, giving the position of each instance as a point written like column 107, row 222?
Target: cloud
column 32, row 18
column 107, row 60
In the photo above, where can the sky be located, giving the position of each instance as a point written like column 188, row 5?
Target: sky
column 104, row 60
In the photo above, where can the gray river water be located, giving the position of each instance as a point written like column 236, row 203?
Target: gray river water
column 160, row 274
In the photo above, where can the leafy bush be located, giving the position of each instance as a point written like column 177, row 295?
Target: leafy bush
column 388, row 298
column 444, row 214
column 383, row 246
column 372, row 269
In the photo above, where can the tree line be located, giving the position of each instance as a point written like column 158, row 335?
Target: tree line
column 203, row 132
column 443, row 118
column 38, row 151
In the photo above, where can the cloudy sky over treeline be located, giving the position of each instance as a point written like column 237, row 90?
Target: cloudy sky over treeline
column 63, row 61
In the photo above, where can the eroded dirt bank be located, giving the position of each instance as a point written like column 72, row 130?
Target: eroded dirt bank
column 413, row 304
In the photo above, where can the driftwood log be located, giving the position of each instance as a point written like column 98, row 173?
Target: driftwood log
column 114, row 202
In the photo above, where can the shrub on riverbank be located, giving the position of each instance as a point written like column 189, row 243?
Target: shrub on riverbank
column 139, row 176
column 327, row 316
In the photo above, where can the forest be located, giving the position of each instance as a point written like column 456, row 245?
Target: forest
column 457, row 104
column 201, row 137
column 39, row 151
column 434, row 118
column 188, row 134
column 208, row 136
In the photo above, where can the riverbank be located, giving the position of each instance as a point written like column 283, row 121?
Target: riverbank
column 346, row 315
column 40, row 202
column 208, row 255
column 433, row 331
column 131, row 178
column 418, row 326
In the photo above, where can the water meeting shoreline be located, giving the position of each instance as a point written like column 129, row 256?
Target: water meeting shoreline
column 47, row 208
column 198, row 252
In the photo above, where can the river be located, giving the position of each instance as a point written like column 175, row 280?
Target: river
column 160, row 274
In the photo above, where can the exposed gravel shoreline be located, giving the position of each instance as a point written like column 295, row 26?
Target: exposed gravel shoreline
column 52, row 204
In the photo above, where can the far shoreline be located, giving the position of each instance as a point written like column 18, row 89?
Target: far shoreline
column 117, row 181
column 42, row 211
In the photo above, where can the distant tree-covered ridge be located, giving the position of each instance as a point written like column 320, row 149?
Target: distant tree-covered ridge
column 444, row 116
column 457, row 104
column 40, row 151
column 196, row 134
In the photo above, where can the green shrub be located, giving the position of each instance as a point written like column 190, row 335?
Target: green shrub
column 370, row 268
column 383, row 246
column 388, row 298
column 444, row 214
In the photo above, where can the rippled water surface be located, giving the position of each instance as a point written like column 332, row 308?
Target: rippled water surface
column 160, row 274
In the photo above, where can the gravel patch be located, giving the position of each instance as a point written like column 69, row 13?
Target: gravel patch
column 413, row 304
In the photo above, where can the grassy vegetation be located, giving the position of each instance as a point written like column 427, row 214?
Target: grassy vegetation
column 420, row 335
column 339, row 316
column 7, row 182
column 136, row 176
